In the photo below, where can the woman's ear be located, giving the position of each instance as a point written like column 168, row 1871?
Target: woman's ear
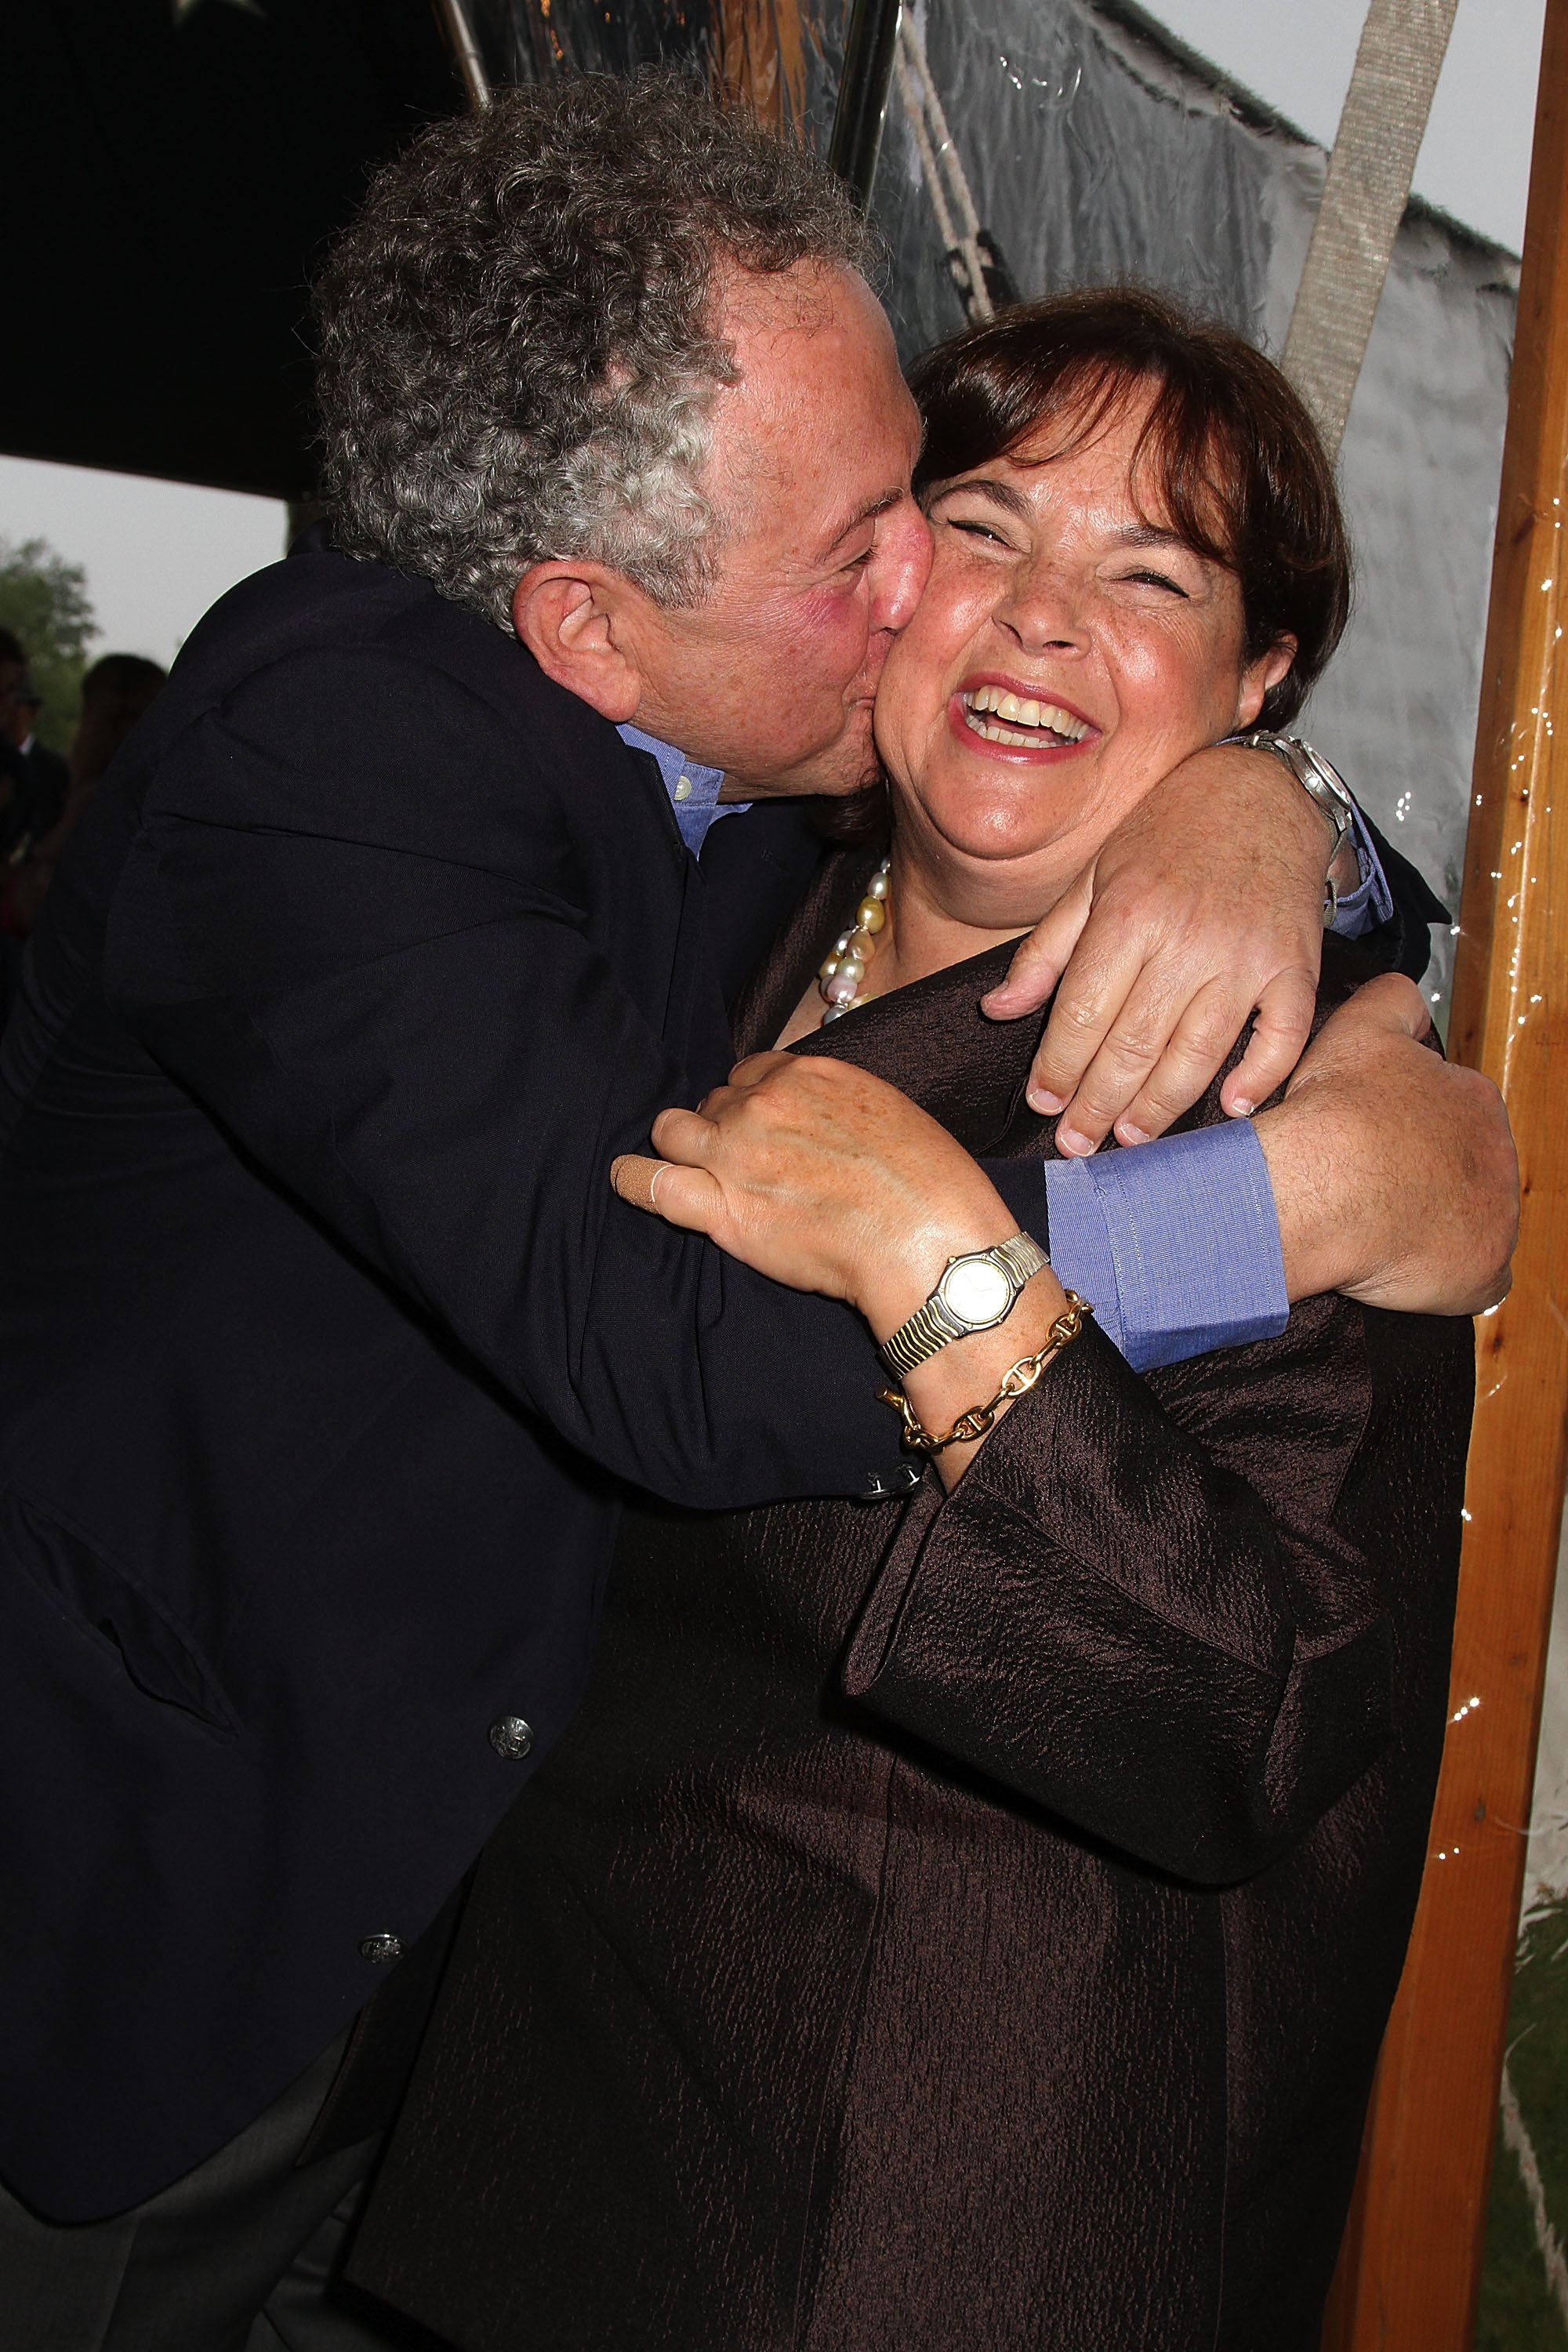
column 1259, row 677
column 577, row 618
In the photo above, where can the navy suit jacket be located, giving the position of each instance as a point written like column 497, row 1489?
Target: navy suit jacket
column 324, row 1345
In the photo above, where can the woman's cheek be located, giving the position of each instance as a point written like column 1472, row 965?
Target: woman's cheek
column 891, row 731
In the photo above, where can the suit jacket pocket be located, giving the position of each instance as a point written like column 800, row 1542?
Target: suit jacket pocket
column 114, row 1611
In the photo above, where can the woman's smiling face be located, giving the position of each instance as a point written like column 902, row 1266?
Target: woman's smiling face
column 1071, row 649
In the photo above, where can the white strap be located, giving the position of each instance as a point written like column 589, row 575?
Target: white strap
column 1403, row 45
column 938, row 155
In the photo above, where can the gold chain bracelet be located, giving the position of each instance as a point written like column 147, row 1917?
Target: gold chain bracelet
column 1016, row 1382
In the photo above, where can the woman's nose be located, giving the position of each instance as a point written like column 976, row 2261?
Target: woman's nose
column 1045, row 614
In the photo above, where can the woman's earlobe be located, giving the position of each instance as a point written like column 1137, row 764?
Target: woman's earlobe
column 1259, row 681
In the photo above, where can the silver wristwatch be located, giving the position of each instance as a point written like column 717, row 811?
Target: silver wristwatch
column 1321, row 782
column 977, row 1292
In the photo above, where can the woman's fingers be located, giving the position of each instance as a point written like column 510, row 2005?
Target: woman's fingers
column 1280, row 1031
column 636, row 1179
column 758, row 1066
column 822, row 1177
column 687, row 1197
column 686, row 1137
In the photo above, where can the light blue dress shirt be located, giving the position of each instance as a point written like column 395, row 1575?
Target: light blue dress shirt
column 1176, row 1242
column 693, row 791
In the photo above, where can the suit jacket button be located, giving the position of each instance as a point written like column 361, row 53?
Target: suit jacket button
column 381, row 1949
column 511, row 1737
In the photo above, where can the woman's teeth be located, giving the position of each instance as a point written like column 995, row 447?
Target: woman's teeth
column 1004, row 717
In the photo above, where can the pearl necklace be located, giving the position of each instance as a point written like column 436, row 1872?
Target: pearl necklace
column 839, row 982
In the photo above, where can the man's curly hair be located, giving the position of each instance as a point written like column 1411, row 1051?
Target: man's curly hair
column 517, row 353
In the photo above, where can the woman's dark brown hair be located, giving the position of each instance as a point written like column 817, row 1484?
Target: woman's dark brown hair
column 1228, row 449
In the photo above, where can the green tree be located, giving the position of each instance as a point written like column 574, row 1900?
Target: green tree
column 44, row 601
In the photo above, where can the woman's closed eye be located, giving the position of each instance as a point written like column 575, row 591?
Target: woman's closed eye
column 1156, row 580
column 975, row 518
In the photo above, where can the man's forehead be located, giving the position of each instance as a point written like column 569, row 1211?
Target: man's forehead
column 807, row 297
column 820, row 434
column 804, row 341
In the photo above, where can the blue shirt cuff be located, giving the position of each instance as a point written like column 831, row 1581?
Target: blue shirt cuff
column 1372, row 902
column 1176, row 1242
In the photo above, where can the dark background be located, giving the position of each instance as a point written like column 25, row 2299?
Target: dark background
column 167, row 190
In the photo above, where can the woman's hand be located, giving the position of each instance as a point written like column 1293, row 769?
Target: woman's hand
column 827, row 1178
column 1206, row 902
column 1393, row 1171
column 824, row 1177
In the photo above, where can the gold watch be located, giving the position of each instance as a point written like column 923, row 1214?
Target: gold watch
column 977, row 1292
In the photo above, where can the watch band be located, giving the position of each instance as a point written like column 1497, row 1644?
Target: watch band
column 934, row 1325
column 1319, row 778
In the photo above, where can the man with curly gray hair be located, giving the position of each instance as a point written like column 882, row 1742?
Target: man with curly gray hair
column 328, row 1348
column 518, row 345
column 525, row 339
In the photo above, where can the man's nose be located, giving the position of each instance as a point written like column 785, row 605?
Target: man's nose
column 900, row 567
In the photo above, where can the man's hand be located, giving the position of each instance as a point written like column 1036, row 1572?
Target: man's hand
column 1206, row 904
column 1393, row 1171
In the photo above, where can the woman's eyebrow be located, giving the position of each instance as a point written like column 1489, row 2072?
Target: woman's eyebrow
column 1150, row 534
column 1001, row 494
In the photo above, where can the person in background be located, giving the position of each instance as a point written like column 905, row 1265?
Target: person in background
column 40, row 777
column 115, row 692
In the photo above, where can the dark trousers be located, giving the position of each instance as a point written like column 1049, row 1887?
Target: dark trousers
column 241, row 2255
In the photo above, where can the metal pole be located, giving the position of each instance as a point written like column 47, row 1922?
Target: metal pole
column 869, row 50
column 453, row 18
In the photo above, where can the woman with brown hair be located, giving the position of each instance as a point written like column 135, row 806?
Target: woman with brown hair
column 979, row 1933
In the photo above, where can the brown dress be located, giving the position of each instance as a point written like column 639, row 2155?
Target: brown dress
column 967, row 1930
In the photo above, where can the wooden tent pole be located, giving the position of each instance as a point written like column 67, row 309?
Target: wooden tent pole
column 1409, row 2272
column 760, row 56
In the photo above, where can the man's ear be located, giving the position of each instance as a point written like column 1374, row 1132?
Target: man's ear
column 577, row 619
column 1257, row 678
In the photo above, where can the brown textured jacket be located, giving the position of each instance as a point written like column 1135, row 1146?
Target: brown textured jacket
column 973, row 1934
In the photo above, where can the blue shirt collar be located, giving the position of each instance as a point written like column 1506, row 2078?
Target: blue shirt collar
column 693, row 791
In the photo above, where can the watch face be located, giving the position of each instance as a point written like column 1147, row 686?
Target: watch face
column 977, row 1292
